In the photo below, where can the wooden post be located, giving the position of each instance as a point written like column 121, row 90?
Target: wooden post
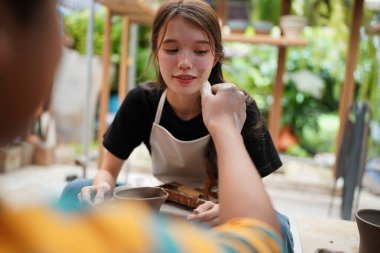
column 104, row 96
column 222, row 9
column 347, row 93
column 276, row 112
column 124, row 61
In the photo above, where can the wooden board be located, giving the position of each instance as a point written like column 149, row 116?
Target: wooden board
column 132, row 7
column 333, row 234
column 138, row 11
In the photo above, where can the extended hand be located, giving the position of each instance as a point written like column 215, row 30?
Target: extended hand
column 207, row 212
column 94, row 195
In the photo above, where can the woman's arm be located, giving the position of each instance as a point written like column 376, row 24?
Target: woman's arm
column 104, row 181
column 109, row 170
column 241, row 191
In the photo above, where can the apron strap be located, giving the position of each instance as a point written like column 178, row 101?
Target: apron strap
column 160, row 107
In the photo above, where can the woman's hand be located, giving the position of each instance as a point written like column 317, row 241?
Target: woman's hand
column 223, row 103
column 95, row 194
column 207, row 212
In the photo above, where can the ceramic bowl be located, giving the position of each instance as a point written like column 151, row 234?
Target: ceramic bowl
column 237, row 25
column 262, row 27
column 368, row 222
column 291, row 25
column 154, row 196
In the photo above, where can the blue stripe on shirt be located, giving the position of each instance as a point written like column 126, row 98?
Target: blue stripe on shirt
column 165, row 242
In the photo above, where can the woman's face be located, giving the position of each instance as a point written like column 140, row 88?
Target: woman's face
column 185, row 58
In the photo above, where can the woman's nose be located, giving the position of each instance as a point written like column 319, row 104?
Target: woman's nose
column 184, row 61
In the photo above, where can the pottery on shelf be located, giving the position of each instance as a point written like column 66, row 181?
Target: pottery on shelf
column 262, row 27
column 237, row 25
column 292, row 26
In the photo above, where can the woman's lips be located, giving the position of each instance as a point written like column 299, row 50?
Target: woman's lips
column 184, row 79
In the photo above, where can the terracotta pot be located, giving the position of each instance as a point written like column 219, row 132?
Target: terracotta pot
column 287, row 139
column 368, row 222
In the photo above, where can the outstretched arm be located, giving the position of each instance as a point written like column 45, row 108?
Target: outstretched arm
column 241, row 191
column 104, row 181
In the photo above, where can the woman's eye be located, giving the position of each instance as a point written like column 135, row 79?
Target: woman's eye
column 171, row 50
column 201, row 52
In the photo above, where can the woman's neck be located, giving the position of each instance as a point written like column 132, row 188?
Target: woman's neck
column 185, row 107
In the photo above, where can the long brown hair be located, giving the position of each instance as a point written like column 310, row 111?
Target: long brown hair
column 203, row 15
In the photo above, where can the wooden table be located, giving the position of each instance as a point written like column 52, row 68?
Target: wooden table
column 172, row 209
column 336, row 235
column 309, row 233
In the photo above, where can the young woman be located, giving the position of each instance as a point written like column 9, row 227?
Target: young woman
column 166, row 114
column 29, row 31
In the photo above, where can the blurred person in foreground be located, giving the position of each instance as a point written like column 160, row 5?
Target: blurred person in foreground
column 29, row 54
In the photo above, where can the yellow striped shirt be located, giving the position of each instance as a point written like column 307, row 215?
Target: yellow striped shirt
column 126, row 229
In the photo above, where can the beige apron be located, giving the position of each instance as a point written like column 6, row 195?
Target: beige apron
column 175, row 160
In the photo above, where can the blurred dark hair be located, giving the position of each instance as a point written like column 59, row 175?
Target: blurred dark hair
column 24, row 10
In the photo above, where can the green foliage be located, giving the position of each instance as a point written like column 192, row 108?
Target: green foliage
column 368, row 72
column 297, row 150
column 266, row 10
column 145, row 69
column 75, row 26
column 369, row 90
column 300, row 109
column 323, row 139
column 254, row 70
column 253, row 67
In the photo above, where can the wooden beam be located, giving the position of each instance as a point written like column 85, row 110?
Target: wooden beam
column 129, row 7
column 221, row 9
column 275, row 114
column 104, row 96
column 285, row 7
column 347, row 93
column 134, row 11
column 266, row 39
column 123, row 67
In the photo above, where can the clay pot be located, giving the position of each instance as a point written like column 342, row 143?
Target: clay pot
column 153, row 196
column 368, row 222
column 292, row 26
column 287, row 139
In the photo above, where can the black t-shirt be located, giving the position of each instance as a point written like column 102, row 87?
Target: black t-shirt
column 133, row 123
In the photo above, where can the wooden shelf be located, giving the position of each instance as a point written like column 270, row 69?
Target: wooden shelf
column 138, row 11
column 265, row 39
